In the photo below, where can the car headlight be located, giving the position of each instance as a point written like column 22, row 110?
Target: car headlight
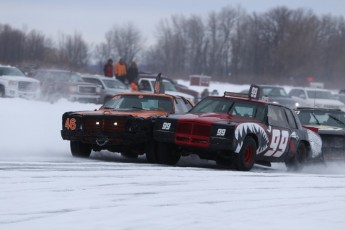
column 297, row 105
column 98, row 89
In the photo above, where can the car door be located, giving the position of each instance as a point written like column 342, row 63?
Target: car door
column 279, row 128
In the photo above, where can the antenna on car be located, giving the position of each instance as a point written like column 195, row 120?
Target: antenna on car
column 158, row 86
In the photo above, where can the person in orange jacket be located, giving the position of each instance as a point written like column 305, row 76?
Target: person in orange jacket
column 120, row 70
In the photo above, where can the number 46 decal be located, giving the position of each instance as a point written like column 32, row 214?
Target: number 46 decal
column 278, row 144
column 70, row 124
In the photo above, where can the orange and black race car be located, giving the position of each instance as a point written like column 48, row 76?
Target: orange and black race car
column 123, row 124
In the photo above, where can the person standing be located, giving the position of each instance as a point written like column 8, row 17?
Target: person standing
column 120, row 70
column 132, row 72
column 108, row 68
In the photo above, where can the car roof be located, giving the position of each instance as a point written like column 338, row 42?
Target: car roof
column 149, row 94
column 311, row 88
column 97, row 77
column 319, row 109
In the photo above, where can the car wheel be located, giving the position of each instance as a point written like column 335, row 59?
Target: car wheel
column 79, row 149
column 129, row 155
column 245, row 159
column 298, row 160
column 2, row 91
column 167, row 154
column 151, row 152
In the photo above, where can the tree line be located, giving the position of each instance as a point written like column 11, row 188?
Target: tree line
column 279, row 45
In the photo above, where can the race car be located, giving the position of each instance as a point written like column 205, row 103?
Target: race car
column 236, row 130
column 330, row 124
column 123, row 124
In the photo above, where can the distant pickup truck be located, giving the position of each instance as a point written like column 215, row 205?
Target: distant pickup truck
column 57, row 84
column 146, row 84
column 13, row 83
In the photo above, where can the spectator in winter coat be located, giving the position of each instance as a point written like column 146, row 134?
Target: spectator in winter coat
column 108, row 68
column 132, row 72
column 120, row 70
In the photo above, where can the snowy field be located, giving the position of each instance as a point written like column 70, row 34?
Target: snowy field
column 43, row 187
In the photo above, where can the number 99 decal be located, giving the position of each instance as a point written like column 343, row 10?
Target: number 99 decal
column 166, row 125
column 221, row 132
column 278, row 144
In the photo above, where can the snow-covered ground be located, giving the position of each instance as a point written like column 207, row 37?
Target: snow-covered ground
column 43, row 187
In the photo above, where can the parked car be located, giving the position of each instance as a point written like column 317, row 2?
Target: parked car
column 123, row 124
column 278, row 94
column 57, row 84
column 330, row 124
column 236, row 130
column 13, row 83
column 314, row 97
column 109, row 86
column 145, row 81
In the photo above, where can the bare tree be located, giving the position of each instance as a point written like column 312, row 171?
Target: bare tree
column 73, row 51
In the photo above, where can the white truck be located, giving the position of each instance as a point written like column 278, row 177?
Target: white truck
column 13, row 83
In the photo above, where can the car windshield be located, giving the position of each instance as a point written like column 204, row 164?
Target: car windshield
column 273, row 91
column 114, row 84
column 10, row 71
column 167, row 85
column 139, row 102
column 248, row 109
column 318, row 94
column 328, row 118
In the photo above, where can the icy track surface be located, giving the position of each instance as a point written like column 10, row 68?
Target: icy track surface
column 43, row 187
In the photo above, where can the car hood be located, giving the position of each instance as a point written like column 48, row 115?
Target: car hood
column 211, row 118
column 325, row 129
column 110, row 112
column 20, row 78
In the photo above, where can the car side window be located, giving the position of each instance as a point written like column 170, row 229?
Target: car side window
column 277, row 117
column 291, row 119
column 145, row 85
column 94, row 81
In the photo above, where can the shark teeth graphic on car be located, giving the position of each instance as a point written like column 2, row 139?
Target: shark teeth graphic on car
column 243, row 129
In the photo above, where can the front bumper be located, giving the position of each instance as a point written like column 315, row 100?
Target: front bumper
column 106, row 138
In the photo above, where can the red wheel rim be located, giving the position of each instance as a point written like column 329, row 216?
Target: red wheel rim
column 249, row 155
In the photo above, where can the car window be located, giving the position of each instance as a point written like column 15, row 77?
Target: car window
column 181, row 106
column 276, row 116
column 274, row 91
column 297, row 93
column 140, row 102
column 213, row 105
column 236, row 108
column 93, row 80
column 114, row 84
column 291, row 119
column 319, row 94
column 10, row 71
column 144, row 85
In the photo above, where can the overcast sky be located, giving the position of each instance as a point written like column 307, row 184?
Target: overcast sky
column 94, row 18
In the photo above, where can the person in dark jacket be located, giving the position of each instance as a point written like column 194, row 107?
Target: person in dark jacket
column 108, row 68
column 132, row 72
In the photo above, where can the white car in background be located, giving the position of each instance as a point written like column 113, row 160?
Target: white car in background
column 146, row 84
column 110, row 86
column 314, row 97
column 13, row 83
